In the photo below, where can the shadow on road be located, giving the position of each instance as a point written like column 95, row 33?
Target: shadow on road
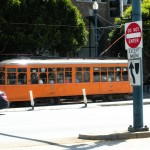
column 79, row 145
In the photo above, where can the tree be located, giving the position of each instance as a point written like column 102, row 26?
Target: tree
column 33, row 26
column 119, row 47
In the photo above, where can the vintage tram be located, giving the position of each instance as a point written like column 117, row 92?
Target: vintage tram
column 55, row 79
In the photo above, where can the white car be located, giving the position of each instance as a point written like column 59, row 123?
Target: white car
column 4, row 103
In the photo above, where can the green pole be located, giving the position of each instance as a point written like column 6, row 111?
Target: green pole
column 137, row 90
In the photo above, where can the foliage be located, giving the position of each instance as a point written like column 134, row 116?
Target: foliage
column 119, row 47
column 33, row 26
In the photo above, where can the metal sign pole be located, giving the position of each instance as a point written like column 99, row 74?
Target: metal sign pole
column 137, row 90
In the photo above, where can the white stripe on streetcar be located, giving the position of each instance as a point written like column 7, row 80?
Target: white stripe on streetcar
column 133, row 35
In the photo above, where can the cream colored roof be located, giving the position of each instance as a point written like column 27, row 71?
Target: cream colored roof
column 62, row 61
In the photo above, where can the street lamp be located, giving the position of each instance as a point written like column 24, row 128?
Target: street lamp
column 95, row 8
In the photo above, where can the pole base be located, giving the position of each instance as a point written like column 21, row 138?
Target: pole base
column 32, row 107
column 133, row 129
column 85, row 104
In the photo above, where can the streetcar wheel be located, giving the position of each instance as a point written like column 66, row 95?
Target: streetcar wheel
column 93, row 100
column 107, row 98
column 51, row 101
column 54, row 101
column 57, row 101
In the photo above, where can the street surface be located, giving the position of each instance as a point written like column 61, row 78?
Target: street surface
column 58, row 127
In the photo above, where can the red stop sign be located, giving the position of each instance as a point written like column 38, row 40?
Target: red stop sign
column 133, row 35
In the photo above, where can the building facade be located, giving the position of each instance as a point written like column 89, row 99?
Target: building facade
column 104, row 25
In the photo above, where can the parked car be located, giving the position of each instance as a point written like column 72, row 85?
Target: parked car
column 4, row 103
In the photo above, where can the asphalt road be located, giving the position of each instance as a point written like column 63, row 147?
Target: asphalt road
column 58, row 127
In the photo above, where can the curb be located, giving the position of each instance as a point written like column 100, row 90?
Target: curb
column 116, row 136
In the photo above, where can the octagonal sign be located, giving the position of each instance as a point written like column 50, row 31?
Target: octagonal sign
column 133, row 35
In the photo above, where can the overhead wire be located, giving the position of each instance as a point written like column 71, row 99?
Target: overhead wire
column 112, row 45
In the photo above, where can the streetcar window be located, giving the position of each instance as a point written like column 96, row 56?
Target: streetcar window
column 86, row 76
column 51, row 69
column 11, row 69
column 22, row 78
column 43, row 69
column 96, row 74
column 124, row 73
column 11, row 78
column 34, row 70
column 104, row 74
column 82, row 74
column 22, row 69
column 110, row 74
column 86, row 69
column 60, row 75
column 96, row 68
column 43, row 78
column 2, row 68
column 34, row 78
column 118, row 74
column 79, row 69
column 60, row 69
column 2, row 78
column 78, row 77
column 51, row 77
column 68, row 75
column 68, row 69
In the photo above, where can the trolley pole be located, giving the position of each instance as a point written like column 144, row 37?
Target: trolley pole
column 137, row 90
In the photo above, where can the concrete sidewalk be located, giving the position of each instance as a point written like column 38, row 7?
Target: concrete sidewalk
column 115, row 135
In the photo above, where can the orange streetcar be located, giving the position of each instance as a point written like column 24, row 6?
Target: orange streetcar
column 54, row 79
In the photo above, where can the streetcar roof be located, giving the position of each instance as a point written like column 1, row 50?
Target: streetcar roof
column 61, row 61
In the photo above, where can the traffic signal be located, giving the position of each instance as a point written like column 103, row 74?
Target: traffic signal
column 115, row 8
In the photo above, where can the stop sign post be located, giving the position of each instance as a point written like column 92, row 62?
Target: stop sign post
column 133, row 35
